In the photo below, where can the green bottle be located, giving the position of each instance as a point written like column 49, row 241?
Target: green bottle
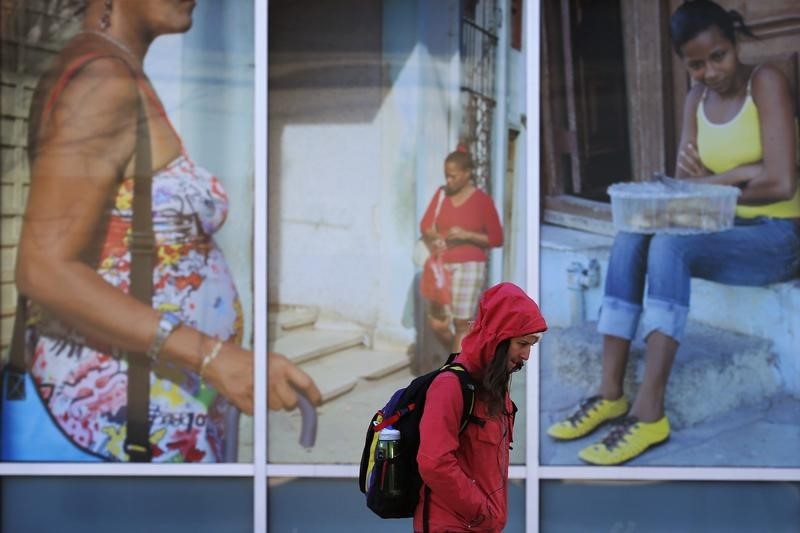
column 386, row 451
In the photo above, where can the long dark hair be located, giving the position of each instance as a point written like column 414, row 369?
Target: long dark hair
column 696, row 16
column 494, row 386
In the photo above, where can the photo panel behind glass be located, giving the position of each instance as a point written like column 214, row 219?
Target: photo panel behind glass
column 132, row 159
column 390, row 132
column 668, row 329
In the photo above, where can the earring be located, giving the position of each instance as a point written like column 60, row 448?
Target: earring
column 105, row 18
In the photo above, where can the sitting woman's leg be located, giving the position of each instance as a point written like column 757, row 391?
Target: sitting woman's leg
column 755, row 252
column 622, row 306
column 619, row 317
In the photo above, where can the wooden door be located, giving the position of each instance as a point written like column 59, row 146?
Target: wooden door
column 583, row 49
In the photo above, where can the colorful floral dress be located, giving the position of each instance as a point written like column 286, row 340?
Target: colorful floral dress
column 84, row 383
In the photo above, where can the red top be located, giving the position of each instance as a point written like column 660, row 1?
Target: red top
column 476, row 214
column 467, row 472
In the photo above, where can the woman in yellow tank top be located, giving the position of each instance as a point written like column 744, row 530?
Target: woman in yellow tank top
column 738, row 129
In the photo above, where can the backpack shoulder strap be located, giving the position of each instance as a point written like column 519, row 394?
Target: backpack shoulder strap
column 468, row 389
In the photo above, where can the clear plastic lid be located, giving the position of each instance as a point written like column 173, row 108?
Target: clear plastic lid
column 390, row 434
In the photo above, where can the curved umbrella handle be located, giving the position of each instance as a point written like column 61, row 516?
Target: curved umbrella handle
column 308, row 427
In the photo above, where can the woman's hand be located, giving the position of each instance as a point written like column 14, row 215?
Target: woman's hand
column 438, row 245
column 231, row 373
column 689, row 162
column 285, row 379
column 458, row 235
column 434, row 242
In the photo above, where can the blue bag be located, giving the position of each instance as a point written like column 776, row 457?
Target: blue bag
column 27, row 429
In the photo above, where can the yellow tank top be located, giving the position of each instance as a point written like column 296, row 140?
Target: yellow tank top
column 738, row 142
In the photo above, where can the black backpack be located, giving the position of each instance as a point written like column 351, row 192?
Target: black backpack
column 403, row 412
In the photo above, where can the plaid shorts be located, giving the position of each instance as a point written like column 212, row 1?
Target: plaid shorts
column 468, row 282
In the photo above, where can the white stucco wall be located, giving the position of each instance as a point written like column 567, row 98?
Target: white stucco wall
column 353, row 162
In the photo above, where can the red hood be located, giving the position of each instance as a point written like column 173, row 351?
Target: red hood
column 505, row 311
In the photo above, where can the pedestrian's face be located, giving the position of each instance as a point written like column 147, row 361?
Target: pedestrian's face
column 519, row 350
column 455, row 177
column 711, row 59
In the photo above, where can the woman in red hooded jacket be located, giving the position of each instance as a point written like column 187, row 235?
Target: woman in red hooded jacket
column 465, row 474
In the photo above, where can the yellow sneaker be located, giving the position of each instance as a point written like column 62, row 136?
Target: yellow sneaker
column 590, row 414
column 628, row 439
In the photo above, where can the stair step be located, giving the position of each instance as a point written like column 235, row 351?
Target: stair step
column 288, row 318
column 337, row 373
column 305, row 345
column 715, row 371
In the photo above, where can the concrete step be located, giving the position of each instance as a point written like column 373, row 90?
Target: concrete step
column 337, row 373
column 286, row 318
column 293, row 317
column 715, row 372
column 305, row 345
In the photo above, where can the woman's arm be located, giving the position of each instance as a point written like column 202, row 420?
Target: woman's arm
column 688, row 164
column 458, row 235
column 775, row 177
column 82, row 152
column 431, row 237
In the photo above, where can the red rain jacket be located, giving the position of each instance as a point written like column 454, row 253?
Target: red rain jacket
column 467, row 473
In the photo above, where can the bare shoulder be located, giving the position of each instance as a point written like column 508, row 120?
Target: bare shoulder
column 769, row 81
column 106, row 82
column 96, row 105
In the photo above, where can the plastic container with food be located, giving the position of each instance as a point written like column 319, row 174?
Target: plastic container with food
column 677, row 207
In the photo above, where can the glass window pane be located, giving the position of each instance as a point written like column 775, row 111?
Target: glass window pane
column 660, row 506
column 363, row 112
column 69, row 161
column 126, row 505
column 336, row 506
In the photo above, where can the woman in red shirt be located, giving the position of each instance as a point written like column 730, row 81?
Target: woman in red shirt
column 461, row 226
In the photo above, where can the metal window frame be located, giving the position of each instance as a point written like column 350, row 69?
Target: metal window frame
column 260, row 470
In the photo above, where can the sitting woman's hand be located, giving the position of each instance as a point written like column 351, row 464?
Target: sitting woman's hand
column 285, row 380
column 689, row 162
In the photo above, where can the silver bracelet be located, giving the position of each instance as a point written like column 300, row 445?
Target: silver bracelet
column 210, row 357
column 167, row 323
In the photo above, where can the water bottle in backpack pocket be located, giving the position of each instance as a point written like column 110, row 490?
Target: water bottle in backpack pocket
column 388, row 456
column 389, row 474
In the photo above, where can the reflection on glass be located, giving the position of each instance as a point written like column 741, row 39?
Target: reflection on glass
column 714, row 378
column 126, row 505
column 336, row 506
column 363, row 112
column 133, row 325
column 652, row 506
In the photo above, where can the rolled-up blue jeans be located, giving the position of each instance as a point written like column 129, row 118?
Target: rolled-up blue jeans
column 754, row 252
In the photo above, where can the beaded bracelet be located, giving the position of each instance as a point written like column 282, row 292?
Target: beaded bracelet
column 210, row 357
